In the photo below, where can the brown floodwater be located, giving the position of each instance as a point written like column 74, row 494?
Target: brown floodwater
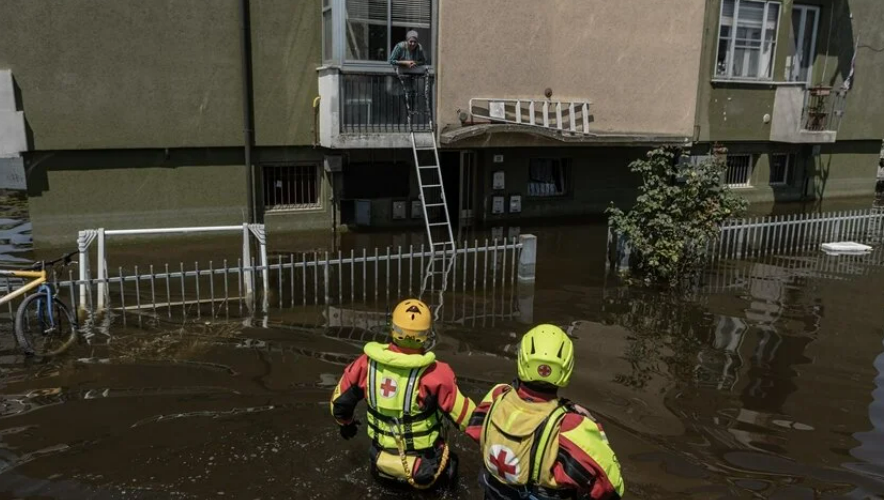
column 766, row 383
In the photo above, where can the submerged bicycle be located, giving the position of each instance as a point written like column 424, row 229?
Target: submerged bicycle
column 44, row 325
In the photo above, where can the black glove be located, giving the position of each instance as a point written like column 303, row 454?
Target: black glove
column 349, row 430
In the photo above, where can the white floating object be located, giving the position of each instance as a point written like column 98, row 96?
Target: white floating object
column 845, row 247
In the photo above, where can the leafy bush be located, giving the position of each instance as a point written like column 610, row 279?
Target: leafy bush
column 679, row 209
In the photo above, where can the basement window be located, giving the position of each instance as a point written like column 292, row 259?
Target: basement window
column 291, row 187
column 739, row 171
column 780, row 164
column 547, row 177
column 747, row 39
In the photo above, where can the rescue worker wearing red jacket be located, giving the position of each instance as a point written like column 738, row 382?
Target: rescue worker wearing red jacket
column 536, row 445
column 408, row 392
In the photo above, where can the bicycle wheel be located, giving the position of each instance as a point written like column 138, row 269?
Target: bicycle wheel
column 41, row 333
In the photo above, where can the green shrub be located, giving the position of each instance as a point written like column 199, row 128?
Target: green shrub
column 679, row 210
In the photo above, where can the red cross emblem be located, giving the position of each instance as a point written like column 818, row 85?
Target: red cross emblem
column 505, row 462
column 544, row 370
column 388, row 388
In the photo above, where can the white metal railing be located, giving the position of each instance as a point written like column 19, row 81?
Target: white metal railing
column 775, row 235
column 570, row 116
column 374, row 279
column 86, row 237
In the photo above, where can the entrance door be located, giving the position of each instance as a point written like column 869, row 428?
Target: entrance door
column 805, row 23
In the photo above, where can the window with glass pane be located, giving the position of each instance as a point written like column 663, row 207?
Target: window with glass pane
column 327, row 31
column 779, row 169
column 366, row 30
column 747, row 39
column 546, row 177
column 374, row 27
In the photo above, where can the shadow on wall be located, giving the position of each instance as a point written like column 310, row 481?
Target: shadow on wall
column 38, row 165
column 20, row 106
column 840, row 43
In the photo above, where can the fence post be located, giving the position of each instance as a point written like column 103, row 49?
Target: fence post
column 102, row 270
column 261, row 236
column 84, row 240
column 527, row 274
column 248, row 276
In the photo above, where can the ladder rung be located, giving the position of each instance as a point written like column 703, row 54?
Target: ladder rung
column 434, row 205
column 432, row 185
column 443, row 243
column 438, row 224
column 428, row 166
column 424, row 149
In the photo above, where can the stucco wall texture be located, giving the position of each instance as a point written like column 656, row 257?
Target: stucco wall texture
column 636, row 61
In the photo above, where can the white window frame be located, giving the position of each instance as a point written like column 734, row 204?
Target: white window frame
column 732, row 42
column 816, row 24
column 789, row 160
column 339, row 38
column 749, row 169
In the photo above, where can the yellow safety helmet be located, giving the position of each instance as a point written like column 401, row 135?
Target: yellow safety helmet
column 546, row 354
column 412, row 323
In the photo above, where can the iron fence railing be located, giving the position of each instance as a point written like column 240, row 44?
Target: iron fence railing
column 376, row 103
column 823, row 109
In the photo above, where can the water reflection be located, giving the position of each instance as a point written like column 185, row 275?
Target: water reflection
column 759, row 386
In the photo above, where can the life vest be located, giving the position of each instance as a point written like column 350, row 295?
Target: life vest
column 520, row 442
column 391, row 393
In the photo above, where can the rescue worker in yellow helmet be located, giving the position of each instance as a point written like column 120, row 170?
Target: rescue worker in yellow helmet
column 408, row 393
column 535, row 444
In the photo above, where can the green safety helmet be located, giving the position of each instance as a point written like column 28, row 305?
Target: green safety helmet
column 546, row 354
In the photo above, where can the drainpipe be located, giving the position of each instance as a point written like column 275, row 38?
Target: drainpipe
column 245, row 45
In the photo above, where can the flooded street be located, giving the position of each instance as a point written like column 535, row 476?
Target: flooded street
column 768, row 383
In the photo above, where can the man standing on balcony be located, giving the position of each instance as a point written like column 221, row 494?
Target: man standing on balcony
column 409, row 53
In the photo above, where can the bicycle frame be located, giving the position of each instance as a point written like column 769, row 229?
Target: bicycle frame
column 37, row 278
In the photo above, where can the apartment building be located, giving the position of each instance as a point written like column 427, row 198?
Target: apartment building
column 134, row 114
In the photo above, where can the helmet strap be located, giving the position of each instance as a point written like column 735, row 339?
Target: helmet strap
column 541, row 387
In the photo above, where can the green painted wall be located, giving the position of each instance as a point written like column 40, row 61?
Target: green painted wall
column 119, row 74
column 71, row 191
column 730, row 111
column 286, row 50
column 105, row 74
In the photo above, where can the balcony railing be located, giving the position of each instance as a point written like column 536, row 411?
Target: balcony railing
column 373, row 103
column 823, row 109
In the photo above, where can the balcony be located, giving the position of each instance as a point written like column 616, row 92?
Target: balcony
column 807, row 115
column 369, row 109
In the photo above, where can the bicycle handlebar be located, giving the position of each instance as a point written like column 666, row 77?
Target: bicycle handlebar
column 66, row 259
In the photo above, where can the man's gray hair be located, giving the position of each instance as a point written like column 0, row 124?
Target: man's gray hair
column 411, row 34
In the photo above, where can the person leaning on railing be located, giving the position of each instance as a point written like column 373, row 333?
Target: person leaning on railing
column 409, row 53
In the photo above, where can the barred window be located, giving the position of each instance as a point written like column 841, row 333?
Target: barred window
column 739, row 170
column 291, row 187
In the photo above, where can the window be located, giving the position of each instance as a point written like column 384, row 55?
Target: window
column 805, row 21
column 546, row 177
column 327, row 31
column 747, row 39
column 780, row 164
column 739, row 170
column 291, row 187
column 373, row 27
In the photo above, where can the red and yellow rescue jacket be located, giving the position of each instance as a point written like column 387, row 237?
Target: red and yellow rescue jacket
column 406, row 390
column 531, row 441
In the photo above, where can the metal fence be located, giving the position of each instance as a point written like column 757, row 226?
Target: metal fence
column 483, row 273
column 757, row 237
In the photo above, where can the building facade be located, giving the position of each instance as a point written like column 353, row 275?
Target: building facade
column 133, row 114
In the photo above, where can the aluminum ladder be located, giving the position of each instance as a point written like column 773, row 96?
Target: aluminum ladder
column 436, row 219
